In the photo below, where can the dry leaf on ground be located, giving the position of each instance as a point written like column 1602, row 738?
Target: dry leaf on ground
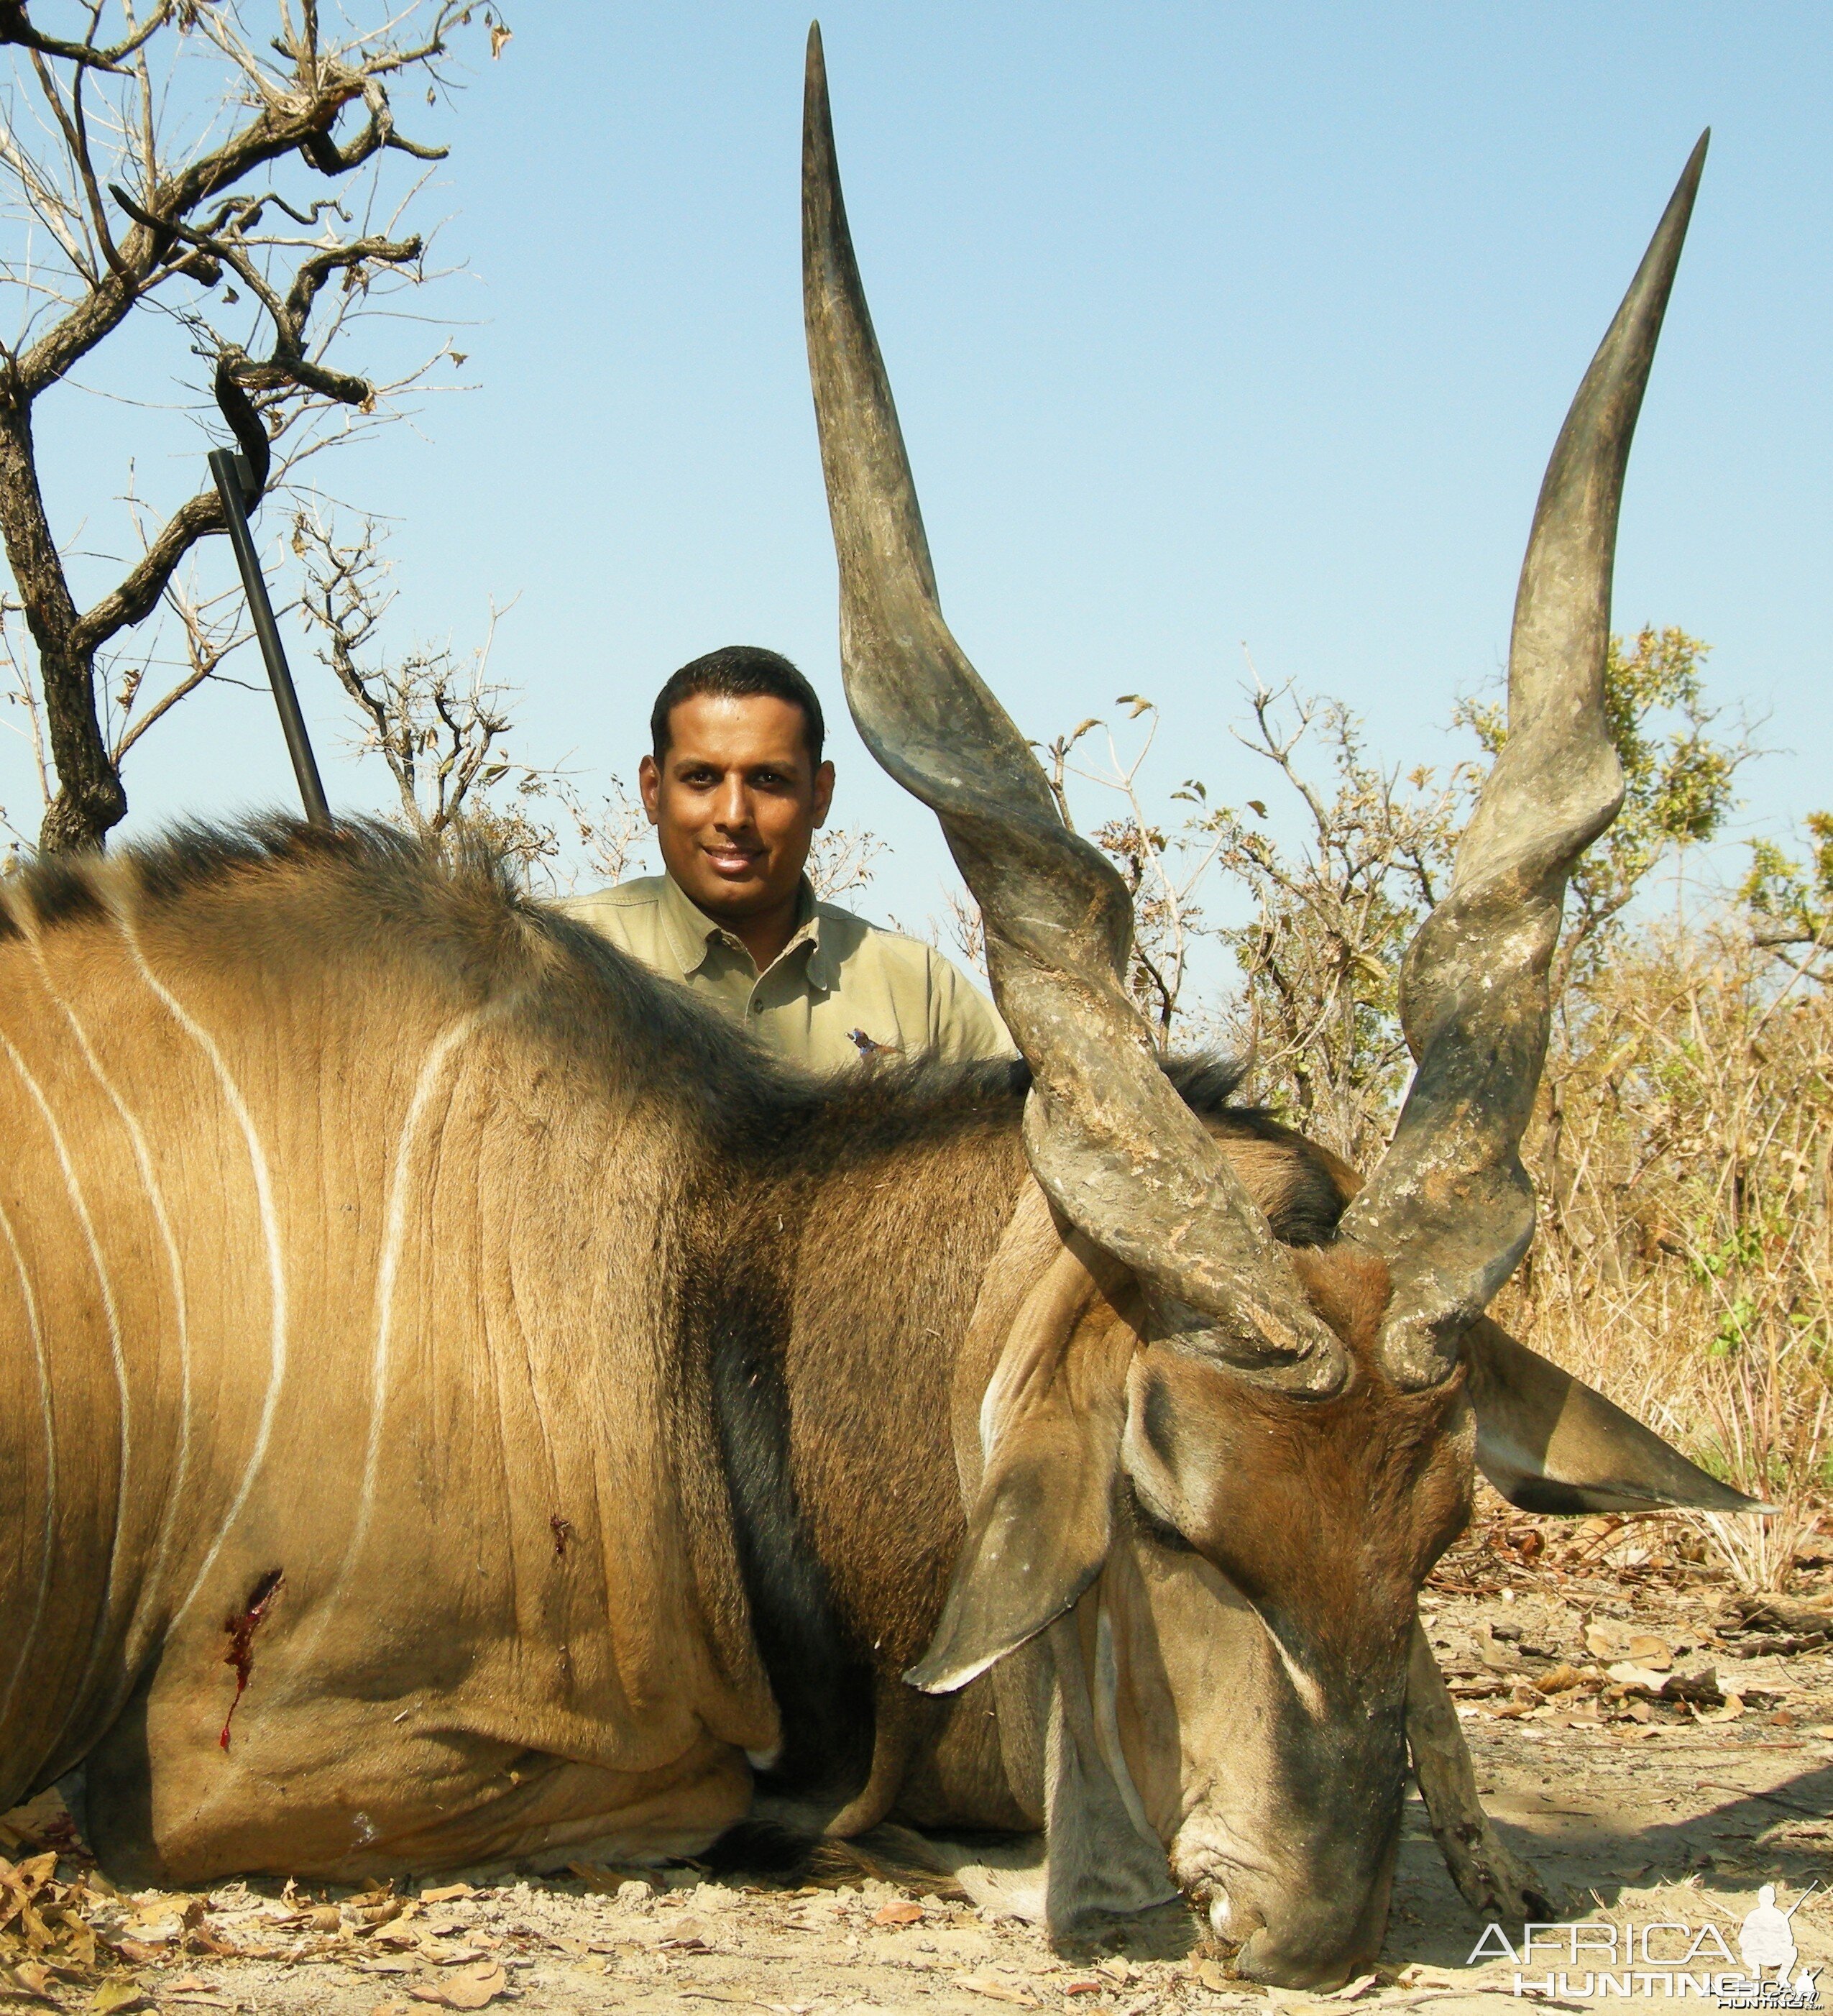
column 115, row 1998
column 139, row 1952
column 904, row 1912
column 473, row 1988
column 1626, row 1673
column 1000, row 1991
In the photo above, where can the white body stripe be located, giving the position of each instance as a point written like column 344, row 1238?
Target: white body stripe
column 155, row 1197
column 263, row 1188
column 45, row 1409
column 110, row 1315
column 394, row 1225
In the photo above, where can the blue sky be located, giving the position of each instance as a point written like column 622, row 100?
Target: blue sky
column 1208, row 324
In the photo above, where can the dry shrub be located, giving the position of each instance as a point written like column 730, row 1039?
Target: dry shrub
column 1682, row 1141
column 1682, row 1154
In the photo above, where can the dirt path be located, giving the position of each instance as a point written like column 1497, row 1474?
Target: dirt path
column 1641, row 1808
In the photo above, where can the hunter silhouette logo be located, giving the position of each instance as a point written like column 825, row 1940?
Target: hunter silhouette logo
column 1768, row 1940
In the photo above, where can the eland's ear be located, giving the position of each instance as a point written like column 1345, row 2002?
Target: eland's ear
column 1050, row 1430
column 1549, row 1443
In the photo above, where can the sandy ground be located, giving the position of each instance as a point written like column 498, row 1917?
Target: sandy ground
column 1640, row 1809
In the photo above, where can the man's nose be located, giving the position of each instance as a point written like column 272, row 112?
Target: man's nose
column 732, row 803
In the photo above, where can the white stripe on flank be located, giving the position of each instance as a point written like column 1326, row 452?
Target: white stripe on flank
column 264, row 1190
column 156, row 1196
column 393, row 1232
column 394, row 1223
column 110, row 1315
column 50, row 1525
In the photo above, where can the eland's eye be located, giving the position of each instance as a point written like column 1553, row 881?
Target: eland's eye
column 1149, row 1524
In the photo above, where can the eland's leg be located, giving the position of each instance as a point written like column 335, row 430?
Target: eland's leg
column 1492, row 1879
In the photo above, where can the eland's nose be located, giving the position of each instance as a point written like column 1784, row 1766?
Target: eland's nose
column 1296, row 1957
column 1315, row 1942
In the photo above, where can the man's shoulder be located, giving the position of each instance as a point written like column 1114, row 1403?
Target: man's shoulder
column 640, row 891
column 844, row 934
column 631, row 914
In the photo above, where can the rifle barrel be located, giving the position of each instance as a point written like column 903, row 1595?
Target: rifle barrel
column 225, row 467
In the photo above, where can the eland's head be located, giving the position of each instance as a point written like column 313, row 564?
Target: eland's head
column 1215, row 1471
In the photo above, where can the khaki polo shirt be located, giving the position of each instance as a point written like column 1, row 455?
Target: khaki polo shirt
column 841, row 989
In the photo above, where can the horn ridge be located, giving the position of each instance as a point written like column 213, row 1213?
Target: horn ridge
column 1450, row 1208
column 1108, row 1137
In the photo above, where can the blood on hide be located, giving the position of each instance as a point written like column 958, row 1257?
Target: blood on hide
column 241, row 1631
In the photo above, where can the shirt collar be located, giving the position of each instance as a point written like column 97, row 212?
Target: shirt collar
column 691, row 932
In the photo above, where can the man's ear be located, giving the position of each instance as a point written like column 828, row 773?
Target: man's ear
column 1549, row 1443
column 649, row 786
column 824, row 792
column 1050, row 1430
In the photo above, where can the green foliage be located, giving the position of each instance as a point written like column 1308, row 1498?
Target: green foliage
column 1740, row 1313
column 1677, row 777
column 1793, row 897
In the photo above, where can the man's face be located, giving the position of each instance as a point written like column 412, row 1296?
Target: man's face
column 735, row 801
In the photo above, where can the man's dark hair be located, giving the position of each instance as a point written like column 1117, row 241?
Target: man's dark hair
column 737, row 671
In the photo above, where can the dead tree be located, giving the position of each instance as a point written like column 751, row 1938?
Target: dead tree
column 116, row 207
column 442, row 726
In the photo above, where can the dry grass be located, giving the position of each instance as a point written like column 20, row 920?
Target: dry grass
column 1683, row 1155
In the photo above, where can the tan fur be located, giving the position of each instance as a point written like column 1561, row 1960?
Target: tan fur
column 606, row 1688
column 1209, row 1677
column 360, row 1226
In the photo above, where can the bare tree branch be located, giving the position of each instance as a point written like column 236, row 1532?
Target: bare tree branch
column 14, row 27
column 134, row 220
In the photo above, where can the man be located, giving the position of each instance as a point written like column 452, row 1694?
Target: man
column 735, row 786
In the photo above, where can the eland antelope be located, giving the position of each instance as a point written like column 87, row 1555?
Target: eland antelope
column 460, row 1402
